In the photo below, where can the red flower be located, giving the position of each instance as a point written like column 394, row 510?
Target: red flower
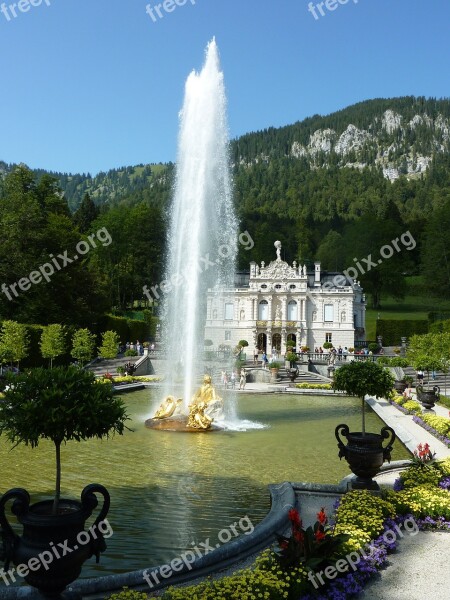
column 320, row 535
column 322, row 517
column 298, row 536
column 294, row 516
column 284, row 545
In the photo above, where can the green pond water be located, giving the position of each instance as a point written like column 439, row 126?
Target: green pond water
column 170, row 491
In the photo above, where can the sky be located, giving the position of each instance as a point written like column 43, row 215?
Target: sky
column 90, row 85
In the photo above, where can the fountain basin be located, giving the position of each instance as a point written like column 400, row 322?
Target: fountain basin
column 177, row 423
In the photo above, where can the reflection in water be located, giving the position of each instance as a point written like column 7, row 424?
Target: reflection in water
column 170, row 491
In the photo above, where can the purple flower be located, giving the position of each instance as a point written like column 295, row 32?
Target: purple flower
column 445, row 483
column 398, row 485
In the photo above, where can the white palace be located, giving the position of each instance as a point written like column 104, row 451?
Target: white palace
column 279, row 302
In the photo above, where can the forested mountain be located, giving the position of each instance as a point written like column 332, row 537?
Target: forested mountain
column 337, row 188
column 401, row 136
column 109, row 187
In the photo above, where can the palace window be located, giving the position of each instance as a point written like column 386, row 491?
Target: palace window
column 263, row 310
column 328, row 338
column 229, row 309
column 228, row 336
column 292, row 310
column 328, row 313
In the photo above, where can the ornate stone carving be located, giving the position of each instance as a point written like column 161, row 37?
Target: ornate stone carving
column 278, row 270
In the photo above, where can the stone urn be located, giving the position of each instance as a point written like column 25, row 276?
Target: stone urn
column 293, row 373
column 365, row 453
column 428, row 398
column 51, row 551
column 400, row 386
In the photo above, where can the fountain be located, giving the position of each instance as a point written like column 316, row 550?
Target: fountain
column 202, row 245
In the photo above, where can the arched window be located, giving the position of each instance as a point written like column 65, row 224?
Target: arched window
column 263, row 310
column 292, row 310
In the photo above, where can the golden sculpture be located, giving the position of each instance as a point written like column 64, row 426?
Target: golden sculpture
column 207, row 392
column 205, row 406
column 197, row 418
column 168, row 408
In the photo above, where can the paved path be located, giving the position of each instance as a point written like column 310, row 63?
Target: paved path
column 406, row 430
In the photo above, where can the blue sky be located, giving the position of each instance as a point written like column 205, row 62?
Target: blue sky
column 89, row 85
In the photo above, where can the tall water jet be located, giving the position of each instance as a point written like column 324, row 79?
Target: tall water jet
column 202, row 239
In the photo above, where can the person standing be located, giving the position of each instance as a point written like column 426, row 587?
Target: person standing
column 255, row 356
column 420, row 377
column 242, row 380
column 233, row 379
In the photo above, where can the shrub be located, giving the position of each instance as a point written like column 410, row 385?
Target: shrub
column 373, row 347
column 444, row 400
column 420, row 475
column 441, row 424
column 392, row 330
column 362, row 515
column 314, row 386
column 243, row 343
column 421, row 501
column 127, row 594
column 327, row 345
column 130, row 352
column 413, row 407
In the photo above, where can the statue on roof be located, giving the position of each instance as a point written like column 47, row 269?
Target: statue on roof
column 277, row 245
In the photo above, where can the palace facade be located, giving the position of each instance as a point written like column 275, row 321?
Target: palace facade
column 280, row 302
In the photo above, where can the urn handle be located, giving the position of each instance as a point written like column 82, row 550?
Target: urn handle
column 10, row 539
column 343, row 430
column 387, row 432
column 89, row 502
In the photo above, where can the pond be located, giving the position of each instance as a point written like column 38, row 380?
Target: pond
column 172, row 491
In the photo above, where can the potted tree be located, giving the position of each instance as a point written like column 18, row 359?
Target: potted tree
column 61, row 404
column 274, row 368
column 291, row 358
column 364, row 451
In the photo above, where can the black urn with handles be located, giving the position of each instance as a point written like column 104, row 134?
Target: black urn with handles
column 51, row 551
column 365, row 453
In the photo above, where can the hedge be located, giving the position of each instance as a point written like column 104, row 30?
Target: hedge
column 129, row 330
column 393, row 330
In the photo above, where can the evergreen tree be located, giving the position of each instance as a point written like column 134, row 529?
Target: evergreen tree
column 86, row 214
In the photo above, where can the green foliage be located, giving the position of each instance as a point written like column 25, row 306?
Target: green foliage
column 444, row 400
column 314, row 386
column 83, row 343
column 395, row 361
column 53, row 342
column 75, row 408
column 35, row 224
column 421, row 501
column 275, row 365
column 138, row 330
column 291, row 357
column 360, row 378
column 327, row 345
column 361, row 515
column 436, row 251
column 110, row 343
column 421, row 475
column 208, row 343
column 14, row 341
column 130, row 352
column 430, row 351
column 86, row 214
column 413, row 407
column 127, row 594
column 243, row 343
column 393, row 330
column 441, row 424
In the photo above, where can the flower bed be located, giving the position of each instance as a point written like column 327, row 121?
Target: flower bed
column 423, row 423
column 333, row 562
column 314, row 386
